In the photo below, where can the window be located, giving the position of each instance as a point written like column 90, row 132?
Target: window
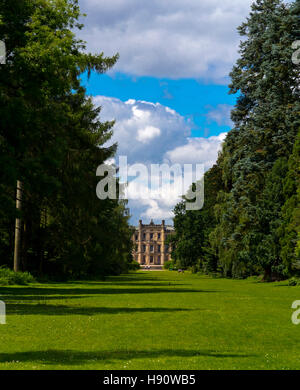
column 151, row 236
column 144, row 260
column 158, row 248
column 158, row 260
column 136, row 237
column 151, row 259
column 144, row 236
column 144, row 248
column 158, row 235
column 151, row 248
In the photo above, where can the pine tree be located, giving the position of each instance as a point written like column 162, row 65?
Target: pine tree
column 52, row 140
column 266, row 119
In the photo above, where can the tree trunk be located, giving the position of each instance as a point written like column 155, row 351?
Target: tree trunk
column 17, row 253
column 267, row 275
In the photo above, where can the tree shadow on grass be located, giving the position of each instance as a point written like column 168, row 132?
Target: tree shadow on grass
column 11, row 298
column 131, row 279
column 55, row 291
column 137, row 284
column 123, row 278
column 134, row 277
column 71, row 357
column 57, row 310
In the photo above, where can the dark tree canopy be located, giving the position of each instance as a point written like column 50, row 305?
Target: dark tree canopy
column 52, row 140
column 256, row 215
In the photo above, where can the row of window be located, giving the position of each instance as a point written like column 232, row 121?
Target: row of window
column 150, row 236
column 159, row 248
column 157, row 262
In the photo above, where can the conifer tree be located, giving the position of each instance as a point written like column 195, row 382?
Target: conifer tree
column 52, row 140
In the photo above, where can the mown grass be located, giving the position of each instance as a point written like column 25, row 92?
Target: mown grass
column 150, row 320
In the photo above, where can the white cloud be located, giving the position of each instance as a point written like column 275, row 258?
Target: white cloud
column 170, row 38
column 154, row 210
column 197, row 151
column 144, row 131
column 150, row 133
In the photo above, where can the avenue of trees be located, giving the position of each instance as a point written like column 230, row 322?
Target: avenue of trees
column 250, row 222
column 51, row 140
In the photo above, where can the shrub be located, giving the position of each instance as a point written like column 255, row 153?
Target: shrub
column 294, row 282
column 9, row 277
column 133, row 266
column 169, row 265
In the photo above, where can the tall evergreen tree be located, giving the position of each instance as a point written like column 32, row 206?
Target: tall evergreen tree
column 266, row 119
column 289, row 229
column 193, row 228
column 256, row 213
column 52, row 140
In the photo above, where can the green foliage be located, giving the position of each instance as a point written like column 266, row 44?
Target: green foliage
column 272, row 200
column 134, row 266
column 266, row 120
column 294, row 281
column 289, row 229
column 252, row 224
column 9, row 277
column 192, row 228
column 51, row 138
column 169, row 265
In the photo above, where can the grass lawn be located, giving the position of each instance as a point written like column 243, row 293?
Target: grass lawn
column 150, row 320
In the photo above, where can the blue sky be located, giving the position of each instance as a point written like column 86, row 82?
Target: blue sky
column 191, row 98
column 168, row 91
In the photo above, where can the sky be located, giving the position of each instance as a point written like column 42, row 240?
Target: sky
column 168, row 92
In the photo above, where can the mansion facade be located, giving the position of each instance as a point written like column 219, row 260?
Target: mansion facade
column 150, row 246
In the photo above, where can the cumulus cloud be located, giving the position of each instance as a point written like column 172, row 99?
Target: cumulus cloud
column 150, row 133
column 197, row 151
column 170, row 38
column 144, row 131
column 147, row 133
column 156, row 211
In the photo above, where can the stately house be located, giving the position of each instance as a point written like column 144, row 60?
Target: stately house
column 150, row 246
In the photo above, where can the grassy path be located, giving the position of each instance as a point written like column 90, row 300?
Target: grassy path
column 150, row 320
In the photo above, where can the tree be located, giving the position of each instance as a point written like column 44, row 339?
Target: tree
column 266, row 119
column 52, row 140
column 192, row 228
column 289, row 229
column 255, row 220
